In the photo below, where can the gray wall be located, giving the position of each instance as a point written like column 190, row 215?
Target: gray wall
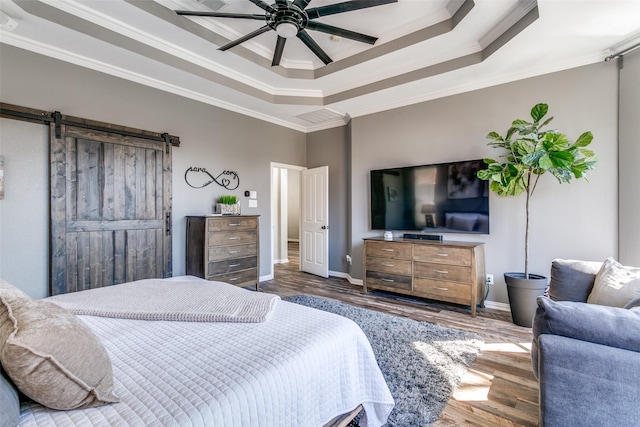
column 331, row 148
column 210, row 137
column 578, row 220
column 629, row 155
column 24, row 215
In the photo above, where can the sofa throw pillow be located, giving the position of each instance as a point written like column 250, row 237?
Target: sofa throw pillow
column 52, row 356
column 615, row 284
column 572, row 280
column 9, row 404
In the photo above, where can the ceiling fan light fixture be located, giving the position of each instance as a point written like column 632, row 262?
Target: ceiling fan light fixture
column 286, row 29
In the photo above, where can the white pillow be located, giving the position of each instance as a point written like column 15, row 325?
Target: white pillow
column 615, row 284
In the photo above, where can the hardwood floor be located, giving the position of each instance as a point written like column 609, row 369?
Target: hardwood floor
column 499, row 388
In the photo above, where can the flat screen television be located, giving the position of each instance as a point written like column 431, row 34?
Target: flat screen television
column 437, row 198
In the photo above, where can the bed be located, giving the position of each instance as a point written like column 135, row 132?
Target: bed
column 299, row 367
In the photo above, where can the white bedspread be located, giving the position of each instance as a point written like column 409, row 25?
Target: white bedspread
column 302, row 367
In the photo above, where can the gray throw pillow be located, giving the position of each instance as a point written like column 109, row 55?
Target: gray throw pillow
column 9, row 403
column 572, row 280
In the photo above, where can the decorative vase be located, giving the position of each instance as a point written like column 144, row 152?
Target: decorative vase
column 228, row 209
column 523, row 294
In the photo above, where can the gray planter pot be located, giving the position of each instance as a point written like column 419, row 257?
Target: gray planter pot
column 522, row 296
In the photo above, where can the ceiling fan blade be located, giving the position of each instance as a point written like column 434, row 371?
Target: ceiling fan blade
column 301, row 3
column 332, row 9
column 311, row 44
column 347, row 34
column 245, row 38
column 263, row 5
column 277, row 55
column 282, row 2
column 221, row 14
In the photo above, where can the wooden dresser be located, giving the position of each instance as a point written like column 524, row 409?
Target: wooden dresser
column 443, row 271
column 224, row 248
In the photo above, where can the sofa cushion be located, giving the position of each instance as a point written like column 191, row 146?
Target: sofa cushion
column 615, row 284
column 572, row 280
column 611, row 326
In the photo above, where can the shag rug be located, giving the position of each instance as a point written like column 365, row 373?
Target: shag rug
column 422, row 363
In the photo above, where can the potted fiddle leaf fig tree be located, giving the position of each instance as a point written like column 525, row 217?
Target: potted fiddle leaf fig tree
column 529, row 151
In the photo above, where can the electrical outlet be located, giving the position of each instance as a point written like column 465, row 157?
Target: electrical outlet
column 349, row 259
column 490, row 279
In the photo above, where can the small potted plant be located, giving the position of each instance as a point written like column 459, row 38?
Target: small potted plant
column 228, row 205
column 530, row 152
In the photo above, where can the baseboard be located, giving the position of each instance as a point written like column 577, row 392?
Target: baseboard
column 497, row 305
column 281, row 261
column 346, row 276
column 267, row 277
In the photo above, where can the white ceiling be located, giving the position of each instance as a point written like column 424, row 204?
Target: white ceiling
column 426, row 49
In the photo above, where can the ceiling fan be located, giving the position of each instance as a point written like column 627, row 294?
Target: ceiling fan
column 290, row 18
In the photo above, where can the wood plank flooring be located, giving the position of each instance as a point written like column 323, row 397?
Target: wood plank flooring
column 499, row 388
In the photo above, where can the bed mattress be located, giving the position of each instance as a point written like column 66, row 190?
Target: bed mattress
column 302, row 367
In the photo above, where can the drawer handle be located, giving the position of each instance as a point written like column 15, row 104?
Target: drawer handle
column 233, row 252
column 387, row 280
column 442, row 254
column 234, row 238
column 440, row 289
column 233, row 225
column 233, row 265
column 233, row 279
column 441, row 271
column 388, row 250
column 387, row 265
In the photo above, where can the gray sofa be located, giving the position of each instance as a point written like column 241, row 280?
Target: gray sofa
column 585, row 356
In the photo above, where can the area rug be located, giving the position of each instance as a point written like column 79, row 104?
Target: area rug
column 422, row 363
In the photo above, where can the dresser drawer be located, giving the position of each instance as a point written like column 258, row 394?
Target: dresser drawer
column 218, row 253
column 232, row 223
column 232, row 237
column 442, row 291
column 376, row 279
column 231, row 265
column 389, row 265
column 442, row 254
column 452, row 273
column 389, row 250
column 237, row 278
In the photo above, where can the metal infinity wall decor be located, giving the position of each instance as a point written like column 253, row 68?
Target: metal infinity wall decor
column 227, row 179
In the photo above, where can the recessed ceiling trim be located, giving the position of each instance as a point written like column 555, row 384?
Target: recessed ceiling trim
column 461, row 7
column 297, row 97
column 82, row 61
column 90, row 15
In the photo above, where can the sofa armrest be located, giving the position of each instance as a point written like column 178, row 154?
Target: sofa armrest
column 609, row 326
column 587, row 384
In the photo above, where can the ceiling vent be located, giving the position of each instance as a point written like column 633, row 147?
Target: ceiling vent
column 323, row 116
column 212, row 4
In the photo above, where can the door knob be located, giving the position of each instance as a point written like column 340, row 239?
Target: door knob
column 325, row 227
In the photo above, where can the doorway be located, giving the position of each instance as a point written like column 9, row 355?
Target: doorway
column 285, row 213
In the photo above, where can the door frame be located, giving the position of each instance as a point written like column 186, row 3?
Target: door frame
column 275, row 218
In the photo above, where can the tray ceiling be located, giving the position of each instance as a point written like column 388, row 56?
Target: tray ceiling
column 425, row 49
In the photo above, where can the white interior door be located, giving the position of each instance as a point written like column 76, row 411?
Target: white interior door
column 314, row 237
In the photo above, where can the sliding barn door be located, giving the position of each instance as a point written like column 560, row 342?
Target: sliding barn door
column 110, row 209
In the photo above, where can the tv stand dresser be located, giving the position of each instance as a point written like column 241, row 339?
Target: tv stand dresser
column 443, row 271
